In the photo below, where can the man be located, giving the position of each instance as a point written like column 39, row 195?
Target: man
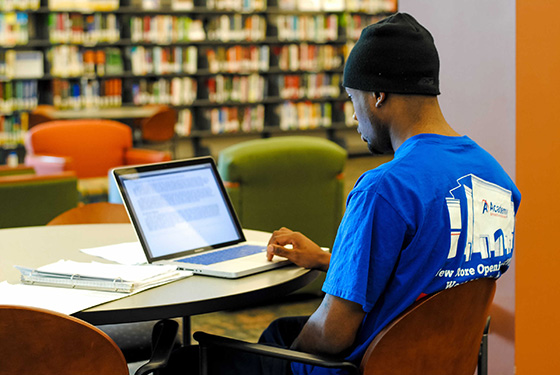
column 439, row 214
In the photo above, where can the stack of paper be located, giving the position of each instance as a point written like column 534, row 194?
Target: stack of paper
column 100, row 276
column 63, row 300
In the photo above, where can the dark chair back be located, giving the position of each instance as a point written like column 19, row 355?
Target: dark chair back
column 41, row 113
column 438, row 335
column 38, row 341
column 160, row 127
column 442, row 334
column 93, row 213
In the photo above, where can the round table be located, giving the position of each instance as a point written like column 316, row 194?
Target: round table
column 38, row 246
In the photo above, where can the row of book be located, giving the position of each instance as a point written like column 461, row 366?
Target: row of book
column 318, row 28
column 184, row 124
column 18, row 95
column 231, row 5
column 370, row 6
column 13, row 125
column 241, row 89
column 83, row 5
column 234, row 119
column 80, row 28
column 9, row 139
column 14, row 28
column 15, row 64
column 348, row 109
column 309, row 86
column 163, row 4
column 162, row 60
column 68, row 61
column 237, row 5
column 290, row 116
column 304, row 115
column 11, row 5
column 71, row 61
column 355, row 23
column 237, row 59
column 165, row 29
column 247, row 119
column 176, row 91
column 86, row 93
column 237, row 27
column 309, row 57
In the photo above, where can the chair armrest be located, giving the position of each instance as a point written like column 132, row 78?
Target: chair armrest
column 20, row 169
column 208, row 340
column 144, row 156
column 163, row 339
column 48, row 164
column 30, row 178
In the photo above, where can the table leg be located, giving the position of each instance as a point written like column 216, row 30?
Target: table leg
column 186, row 330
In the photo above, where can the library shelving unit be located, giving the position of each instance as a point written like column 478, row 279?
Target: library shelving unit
column 230, row 67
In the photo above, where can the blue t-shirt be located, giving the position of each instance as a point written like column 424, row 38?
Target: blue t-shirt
column 441, row 213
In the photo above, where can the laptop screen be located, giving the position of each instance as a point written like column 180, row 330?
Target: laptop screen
column 178, row 208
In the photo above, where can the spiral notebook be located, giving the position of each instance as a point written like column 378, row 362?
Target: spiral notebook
column 100, row 276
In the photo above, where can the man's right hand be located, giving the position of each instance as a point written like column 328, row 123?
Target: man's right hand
column 303, row 252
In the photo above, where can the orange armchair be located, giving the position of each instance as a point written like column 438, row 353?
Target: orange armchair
column 88, row 147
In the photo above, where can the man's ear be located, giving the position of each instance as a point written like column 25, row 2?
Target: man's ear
column 379, row 98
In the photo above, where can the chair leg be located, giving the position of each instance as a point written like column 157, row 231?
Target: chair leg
column 203, row 352
column 483, row 353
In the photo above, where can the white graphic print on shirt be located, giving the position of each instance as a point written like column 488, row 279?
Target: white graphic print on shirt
column 488, row 227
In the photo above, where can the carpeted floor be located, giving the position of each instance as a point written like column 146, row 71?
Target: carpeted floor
column 248, row 324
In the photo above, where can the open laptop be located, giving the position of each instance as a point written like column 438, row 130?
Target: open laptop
column 183, row 216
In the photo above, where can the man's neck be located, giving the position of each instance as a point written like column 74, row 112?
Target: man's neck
column 418, row 115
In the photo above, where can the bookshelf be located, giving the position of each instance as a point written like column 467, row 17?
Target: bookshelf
column 230, row 67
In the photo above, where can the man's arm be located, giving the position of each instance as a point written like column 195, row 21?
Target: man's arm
column 332, row 328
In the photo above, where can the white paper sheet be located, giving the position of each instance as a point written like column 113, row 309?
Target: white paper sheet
column 123, row 253
column 63, row 300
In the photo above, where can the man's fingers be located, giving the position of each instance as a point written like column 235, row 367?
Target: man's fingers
column 281, row 237
column 272, row 250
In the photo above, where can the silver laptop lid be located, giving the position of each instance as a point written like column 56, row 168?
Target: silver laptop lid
column 178, row 208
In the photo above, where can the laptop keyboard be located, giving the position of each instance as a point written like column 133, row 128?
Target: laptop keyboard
column 224, row 255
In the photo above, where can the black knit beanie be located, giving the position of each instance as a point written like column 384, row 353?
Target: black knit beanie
column 394, row 55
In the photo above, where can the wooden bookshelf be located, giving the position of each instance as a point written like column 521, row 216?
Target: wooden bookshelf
column 228, row 66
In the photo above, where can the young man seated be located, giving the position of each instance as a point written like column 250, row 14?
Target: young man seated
column 441, row 213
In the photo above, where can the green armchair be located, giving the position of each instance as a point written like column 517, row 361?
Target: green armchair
column 293, row 181
column 29, row 199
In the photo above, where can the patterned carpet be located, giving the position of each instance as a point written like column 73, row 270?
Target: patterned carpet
column 247, row 324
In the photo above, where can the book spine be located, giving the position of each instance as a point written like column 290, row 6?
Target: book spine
column 65, row 27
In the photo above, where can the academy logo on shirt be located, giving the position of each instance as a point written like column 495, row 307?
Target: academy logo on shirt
column 482, row 221
column 493, row 209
